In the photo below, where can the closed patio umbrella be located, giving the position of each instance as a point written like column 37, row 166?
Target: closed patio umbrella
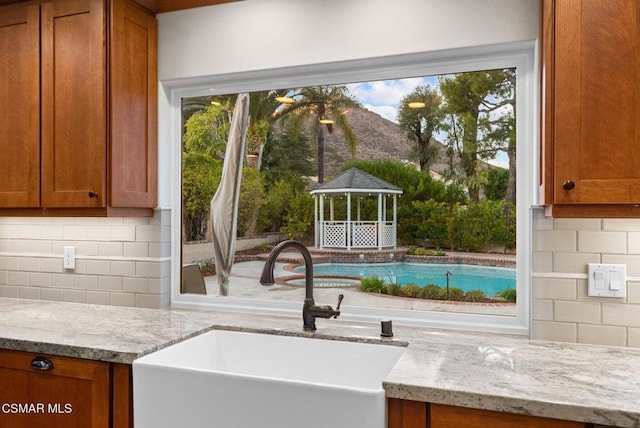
column 224, row 205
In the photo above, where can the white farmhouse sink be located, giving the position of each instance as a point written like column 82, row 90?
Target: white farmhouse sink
column 233, row 379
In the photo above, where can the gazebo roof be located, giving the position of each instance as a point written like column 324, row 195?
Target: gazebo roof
column 354, row 180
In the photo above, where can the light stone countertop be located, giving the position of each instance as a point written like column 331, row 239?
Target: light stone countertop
column 589, row 383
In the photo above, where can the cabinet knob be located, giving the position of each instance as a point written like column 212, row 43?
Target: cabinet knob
column 41, row 363
column 568, row 185
column 93, row 194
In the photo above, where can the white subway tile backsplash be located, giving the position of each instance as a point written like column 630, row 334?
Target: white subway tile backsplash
column 542, row 309
column 632, row 261
column 542, row 261
column 148, row 269
column 110, row 283
column 85, row 282
column 40, row 246
column 18, row 246
column 555, row 288
column 160, row 249
column 110, row 249
column 66, row 280
column 38, row 279
column 135, row 285
column 574, row 262
column 99, row 233
column 74, row 233
column 136, row 249
column 577, row 316
column 29, row 264
column 550, row 330
column 98, row 267
column 99, row 297
column 578, row 223
column 633, row 336
column 86, row 248
column 9, row 291
column 29, row 293
column 18, row 278
column 53, row 294
column 147, row 233
column 633, row 292
column 52, row 232
column 634, row 242
column 622, row 224
column 602, row 335
column 554, row 240
column 117, row 259
column 578, row 312
column 74, row 296
column 123, row 299
column 8, row 263
column 123, row 268
column 621, row 314
column 602, row 242
column 50, row 264
column 123, row 233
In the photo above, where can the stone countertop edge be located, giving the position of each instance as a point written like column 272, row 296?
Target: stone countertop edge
column 500, row 372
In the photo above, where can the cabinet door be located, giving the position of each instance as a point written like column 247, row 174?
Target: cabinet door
column 596, row 130
column 20, row 106
column 72, row 394
column 74, row 131
column 456, row 417
column 133, row 147
column 407, row 413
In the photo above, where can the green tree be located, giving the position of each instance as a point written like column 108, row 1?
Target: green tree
column 496, row 186
column 472, row 101
column 299, row 218
column 251, row 198
column 288, row 154
column 200, row 179
column 204, row 143
column 420, row 124
column 327, row 105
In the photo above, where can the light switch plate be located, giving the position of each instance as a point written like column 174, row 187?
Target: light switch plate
column 607, row 280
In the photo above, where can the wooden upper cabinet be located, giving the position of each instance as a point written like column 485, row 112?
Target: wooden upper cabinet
column 20, row 106
column 134, row 80
column 591, row 106
column 74, row 118
column 78, row 113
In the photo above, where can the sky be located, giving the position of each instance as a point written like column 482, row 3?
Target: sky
column 384, row 96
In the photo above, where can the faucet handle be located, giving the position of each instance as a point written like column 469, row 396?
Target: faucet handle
column 340, row 297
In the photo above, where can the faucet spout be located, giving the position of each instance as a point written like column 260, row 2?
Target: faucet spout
column 309, row 310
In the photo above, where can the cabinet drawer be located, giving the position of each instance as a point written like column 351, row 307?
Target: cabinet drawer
column 71, row 393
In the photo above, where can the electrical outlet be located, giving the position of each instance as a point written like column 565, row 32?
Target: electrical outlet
column 69, row 257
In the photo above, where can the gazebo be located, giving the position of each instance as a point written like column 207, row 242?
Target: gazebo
column 355, row 232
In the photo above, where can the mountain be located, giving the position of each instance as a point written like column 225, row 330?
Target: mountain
column 378, row 138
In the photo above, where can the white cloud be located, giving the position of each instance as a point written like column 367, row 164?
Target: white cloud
column 383, row 96
column 388, row 112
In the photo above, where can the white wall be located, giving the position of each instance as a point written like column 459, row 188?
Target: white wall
column 255, row 35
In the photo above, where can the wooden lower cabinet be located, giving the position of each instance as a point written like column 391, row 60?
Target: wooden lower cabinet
column 38, row 390
column 415, row 414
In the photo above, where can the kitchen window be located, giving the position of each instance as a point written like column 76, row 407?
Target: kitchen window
column 519, row 59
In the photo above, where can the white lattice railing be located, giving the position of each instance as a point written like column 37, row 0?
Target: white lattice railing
column 363, row 234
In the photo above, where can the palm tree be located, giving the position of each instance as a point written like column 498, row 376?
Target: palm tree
column 328, row 106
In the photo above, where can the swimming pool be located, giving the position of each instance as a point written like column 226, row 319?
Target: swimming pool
column 467, row 277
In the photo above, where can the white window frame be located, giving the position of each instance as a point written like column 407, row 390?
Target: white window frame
column 523, row 56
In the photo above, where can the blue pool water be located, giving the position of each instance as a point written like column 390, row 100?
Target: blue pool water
column 467, row 277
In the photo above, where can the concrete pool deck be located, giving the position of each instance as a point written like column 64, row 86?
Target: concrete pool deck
column 244, row 282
